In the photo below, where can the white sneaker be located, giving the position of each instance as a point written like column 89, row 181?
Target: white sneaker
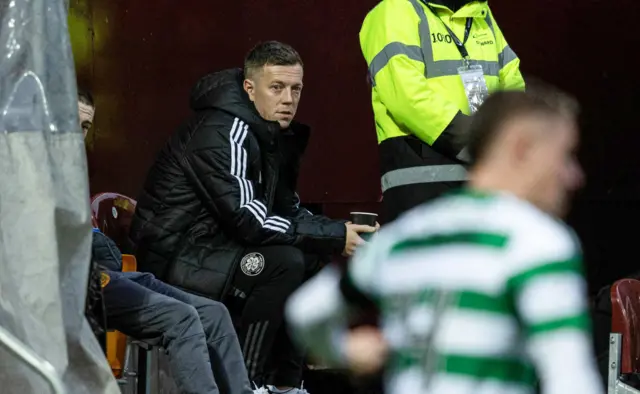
column 260, row 390
column 298, row 391
column 294, row 390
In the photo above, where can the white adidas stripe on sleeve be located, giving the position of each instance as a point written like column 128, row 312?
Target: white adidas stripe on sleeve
column 239, row 132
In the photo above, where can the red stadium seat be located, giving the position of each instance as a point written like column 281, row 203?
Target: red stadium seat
column 113, row 213
column 624, row 350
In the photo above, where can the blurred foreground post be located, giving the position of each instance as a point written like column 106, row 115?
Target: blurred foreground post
column 45, row 229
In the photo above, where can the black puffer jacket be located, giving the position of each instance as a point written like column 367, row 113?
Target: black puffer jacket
column 226, row 180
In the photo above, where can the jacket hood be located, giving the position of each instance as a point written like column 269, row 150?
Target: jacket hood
column 223, row 90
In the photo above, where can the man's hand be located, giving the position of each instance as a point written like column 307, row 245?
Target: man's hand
column 365, row 350
column 353, row 239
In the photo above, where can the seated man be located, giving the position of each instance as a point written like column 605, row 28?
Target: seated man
column 196, row 332
column 219, row 213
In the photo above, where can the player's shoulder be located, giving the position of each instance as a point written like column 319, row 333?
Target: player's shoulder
column 536, row 234
column 414, row 219
column 451, row 213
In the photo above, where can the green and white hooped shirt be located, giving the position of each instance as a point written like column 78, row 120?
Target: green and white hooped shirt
column 479, row 294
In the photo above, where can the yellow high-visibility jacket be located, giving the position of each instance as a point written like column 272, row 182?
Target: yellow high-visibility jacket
column 416, row 89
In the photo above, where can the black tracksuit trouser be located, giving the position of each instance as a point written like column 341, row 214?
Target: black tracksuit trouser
column 265, row 278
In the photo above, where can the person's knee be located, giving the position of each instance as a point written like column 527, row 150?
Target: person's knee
column 215, row 316
column 216, row 307
column 292, row 263
column 184, row 321
column 214, row 310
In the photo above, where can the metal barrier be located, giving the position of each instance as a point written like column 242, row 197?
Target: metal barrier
column 615, row 385
column 37, row 363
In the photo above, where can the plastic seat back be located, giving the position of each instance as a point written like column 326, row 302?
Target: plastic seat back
column 113, row 213
column 625, row 319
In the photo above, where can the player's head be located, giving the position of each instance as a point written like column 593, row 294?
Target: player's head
column 525, row 143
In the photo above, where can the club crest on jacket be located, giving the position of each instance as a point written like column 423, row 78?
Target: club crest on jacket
column 104, row 279
column 252, row 264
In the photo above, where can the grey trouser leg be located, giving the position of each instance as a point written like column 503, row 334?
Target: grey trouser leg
column 196, row 332
column 224, row 348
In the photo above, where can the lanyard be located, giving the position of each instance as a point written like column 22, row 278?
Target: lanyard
column 456, row 40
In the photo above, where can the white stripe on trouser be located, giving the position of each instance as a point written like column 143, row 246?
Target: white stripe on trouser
column 253, row 346
column 246, row 340
column 239, row 131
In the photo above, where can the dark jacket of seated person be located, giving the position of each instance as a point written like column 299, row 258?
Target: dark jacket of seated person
column 197, row 333
column 225, row 182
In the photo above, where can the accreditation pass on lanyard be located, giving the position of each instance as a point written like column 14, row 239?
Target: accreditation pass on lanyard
column 471, row 75
column 475, row 86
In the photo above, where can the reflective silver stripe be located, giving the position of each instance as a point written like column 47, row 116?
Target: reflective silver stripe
column 442, row 68
column 425, row 37
column 490, row 23
column 390, row 50
column 424, row 174
column 506, row 56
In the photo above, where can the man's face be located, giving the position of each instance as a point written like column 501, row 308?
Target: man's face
column 553, row 167
column 86, row 114
column 276, row 91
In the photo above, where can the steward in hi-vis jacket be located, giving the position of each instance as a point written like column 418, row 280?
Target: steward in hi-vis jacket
column 431, row 64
